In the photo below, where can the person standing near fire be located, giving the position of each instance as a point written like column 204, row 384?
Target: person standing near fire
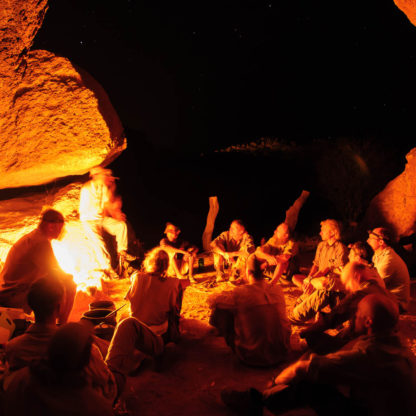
column 100, row 210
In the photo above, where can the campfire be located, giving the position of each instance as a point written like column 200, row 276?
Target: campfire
column 76, row 256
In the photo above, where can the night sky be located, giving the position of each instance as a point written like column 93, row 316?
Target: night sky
column 199, row 73
column 192, row 77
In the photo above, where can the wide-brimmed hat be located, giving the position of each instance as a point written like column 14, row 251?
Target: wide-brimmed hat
column 99, row 171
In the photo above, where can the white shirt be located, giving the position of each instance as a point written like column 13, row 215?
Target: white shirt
column 93, row 199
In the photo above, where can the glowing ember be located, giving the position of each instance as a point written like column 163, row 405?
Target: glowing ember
column 76, row 256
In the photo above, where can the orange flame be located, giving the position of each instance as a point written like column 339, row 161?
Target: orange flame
column 76, row 256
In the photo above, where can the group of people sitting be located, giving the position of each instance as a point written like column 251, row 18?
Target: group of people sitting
column 66, row 369
column 362, row 367
column 60, row 367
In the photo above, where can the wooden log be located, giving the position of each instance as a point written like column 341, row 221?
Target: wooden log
column 209, row 228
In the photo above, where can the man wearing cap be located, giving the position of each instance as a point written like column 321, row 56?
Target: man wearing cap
column 32, row 258
column 99, row 210
column 181, row 253
column 390, row 266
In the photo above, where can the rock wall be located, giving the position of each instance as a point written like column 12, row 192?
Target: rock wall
column 395, row 206
column 408, row 7
column 55, row 119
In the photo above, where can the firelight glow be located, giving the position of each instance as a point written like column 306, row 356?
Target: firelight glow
column 76, row 256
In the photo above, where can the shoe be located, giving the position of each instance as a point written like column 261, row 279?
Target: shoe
column 247, row 402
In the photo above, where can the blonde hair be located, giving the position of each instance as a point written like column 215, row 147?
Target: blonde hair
column 334, row 226
column 156, row 261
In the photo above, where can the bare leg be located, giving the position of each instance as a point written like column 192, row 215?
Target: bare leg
column 219, row 266
column 177, row 267
column 191, row 260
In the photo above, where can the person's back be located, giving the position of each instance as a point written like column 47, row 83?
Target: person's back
column 374, row 374
column 59, row 385
column 152, row 297
column 30, row 346
column 384, row 377
column 253, row 320
column 262, row 330
column 27, row 394
column 29, row 259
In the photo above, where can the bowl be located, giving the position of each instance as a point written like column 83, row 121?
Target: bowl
column 99, row 316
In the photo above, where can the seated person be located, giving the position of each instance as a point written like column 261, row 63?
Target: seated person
column 319, row 293
column 309, row 304
column 359, row 280
column 330, row 258
column 58, row 385
column 155, row 304
column 279, row 252
column 390, row 266
column 231, row 248
column 252, row 319
column 375, row 375
column 32, row 258
column 182, row 255
column 45, row 297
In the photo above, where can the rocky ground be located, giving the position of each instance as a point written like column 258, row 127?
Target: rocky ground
column 191, row 374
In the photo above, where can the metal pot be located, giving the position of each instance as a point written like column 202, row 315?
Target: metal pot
column 99, row 316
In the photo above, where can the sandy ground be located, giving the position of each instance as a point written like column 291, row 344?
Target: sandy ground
column 189, row 377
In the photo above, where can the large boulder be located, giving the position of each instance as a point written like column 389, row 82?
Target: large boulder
column 55, row 119
column 408, row 7
column 395, row 205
